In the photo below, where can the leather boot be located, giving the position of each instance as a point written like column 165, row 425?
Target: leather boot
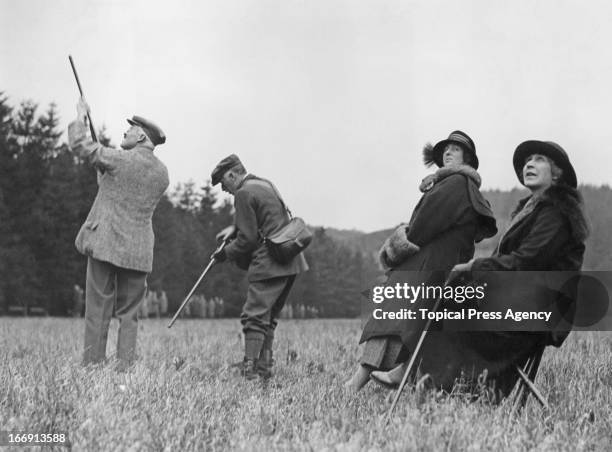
column 249, row 369
column 265, row 364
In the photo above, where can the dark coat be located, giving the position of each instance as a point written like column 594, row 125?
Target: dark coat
column 551, row 237
column 259, row 213
column 446, row 222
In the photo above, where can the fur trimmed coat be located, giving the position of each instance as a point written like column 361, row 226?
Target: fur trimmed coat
column 450, row 217
column 549, row 238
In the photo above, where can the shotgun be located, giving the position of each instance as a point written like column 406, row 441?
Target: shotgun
column 76, row 76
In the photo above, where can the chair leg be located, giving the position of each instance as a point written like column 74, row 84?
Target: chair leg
column 526, row 383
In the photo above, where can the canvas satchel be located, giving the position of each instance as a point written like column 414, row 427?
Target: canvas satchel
column 293, row 238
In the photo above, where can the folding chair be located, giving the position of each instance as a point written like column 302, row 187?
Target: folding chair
column 526, row 383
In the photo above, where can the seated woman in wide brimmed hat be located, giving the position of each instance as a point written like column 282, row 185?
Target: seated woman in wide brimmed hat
column 546, row 233
column 450, row 217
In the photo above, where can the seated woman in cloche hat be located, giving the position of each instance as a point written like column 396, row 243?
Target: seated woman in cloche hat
column 450, row 217
column 547, row 233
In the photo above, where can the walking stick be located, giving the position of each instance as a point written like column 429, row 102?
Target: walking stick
column 414, row 356
column 76, row 76
column 195, row 286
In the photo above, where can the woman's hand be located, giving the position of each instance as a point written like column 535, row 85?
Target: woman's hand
column 464, row 267
column 458, row 271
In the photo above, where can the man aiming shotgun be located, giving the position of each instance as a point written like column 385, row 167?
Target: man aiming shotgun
column 117, row 236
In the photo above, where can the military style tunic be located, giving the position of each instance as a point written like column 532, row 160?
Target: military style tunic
column 259, row 213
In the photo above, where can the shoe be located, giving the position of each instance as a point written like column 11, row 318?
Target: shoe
column 265, row 364
column 359, row 379
column 249, row 369
column 123, row 366
column 383, row 379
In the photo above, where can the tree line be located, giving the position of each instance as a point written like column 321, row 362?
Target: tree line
column 46, row 192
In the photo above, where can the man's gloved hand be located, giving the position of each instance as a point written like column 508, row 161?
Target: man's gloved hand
column 220, row 255
column 226, row 233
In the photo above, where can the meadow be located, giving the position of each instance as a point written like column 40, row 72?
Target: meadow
column 182, row 395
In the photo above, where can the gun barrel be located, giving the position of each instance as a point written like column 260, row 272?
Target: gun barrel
column 76, row 76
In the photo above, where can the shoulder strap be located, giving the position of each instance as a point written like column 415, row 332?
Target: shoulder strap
column 266, row 182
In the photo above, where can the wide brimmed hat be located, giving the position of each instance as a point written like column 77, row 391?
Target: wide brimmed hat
column 457, row 137
column 551, row 150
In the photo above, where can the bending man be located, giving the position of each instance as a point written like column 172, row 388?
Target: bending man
column 260, row 212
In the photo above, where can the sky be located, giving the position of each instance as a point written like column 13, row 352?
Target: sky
column 332, row 100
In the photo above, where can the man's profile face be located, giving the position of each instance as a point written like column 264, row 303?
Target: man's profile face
column 132, row 137
column 229, row 182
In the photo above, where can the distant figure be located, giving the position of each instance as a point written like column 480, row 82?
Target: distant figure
column 78, row 301
column 287, row 312
column 259, row 212
column 163, row 301
column 153, row 304
column 210, row 308
column 220, row 307
column 290, row 313
column 188, row 311
column 143, row 309
column 199, row 306
column 117, row 236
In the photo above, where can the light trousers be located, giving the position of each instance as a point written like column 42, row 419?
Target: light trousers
column 108, row 286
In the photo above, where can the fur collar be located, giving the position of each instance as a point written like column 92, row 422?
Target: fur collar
column 442, row 173
column 569, row 201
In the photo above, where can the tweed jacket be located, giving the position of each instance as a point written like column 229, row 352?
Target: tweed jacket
column 259, row 213
column 118, row 228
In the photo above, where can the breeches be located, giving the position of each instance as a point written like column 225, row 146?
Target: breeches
column 108, row 285
column 265, row 300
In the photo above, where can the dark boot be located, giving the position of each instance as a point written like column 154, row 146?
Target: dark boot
column 265, row 364
column 249, row 369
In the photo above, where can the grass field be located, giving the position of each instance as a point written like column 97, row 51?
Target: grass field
column 203, row 406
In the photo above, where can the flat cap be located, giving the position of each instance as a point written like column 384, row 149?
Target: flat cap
column 153, row 131
column 224, row 165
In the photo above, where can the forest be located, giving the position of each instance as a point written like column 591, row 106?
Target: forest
column 46, row 192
